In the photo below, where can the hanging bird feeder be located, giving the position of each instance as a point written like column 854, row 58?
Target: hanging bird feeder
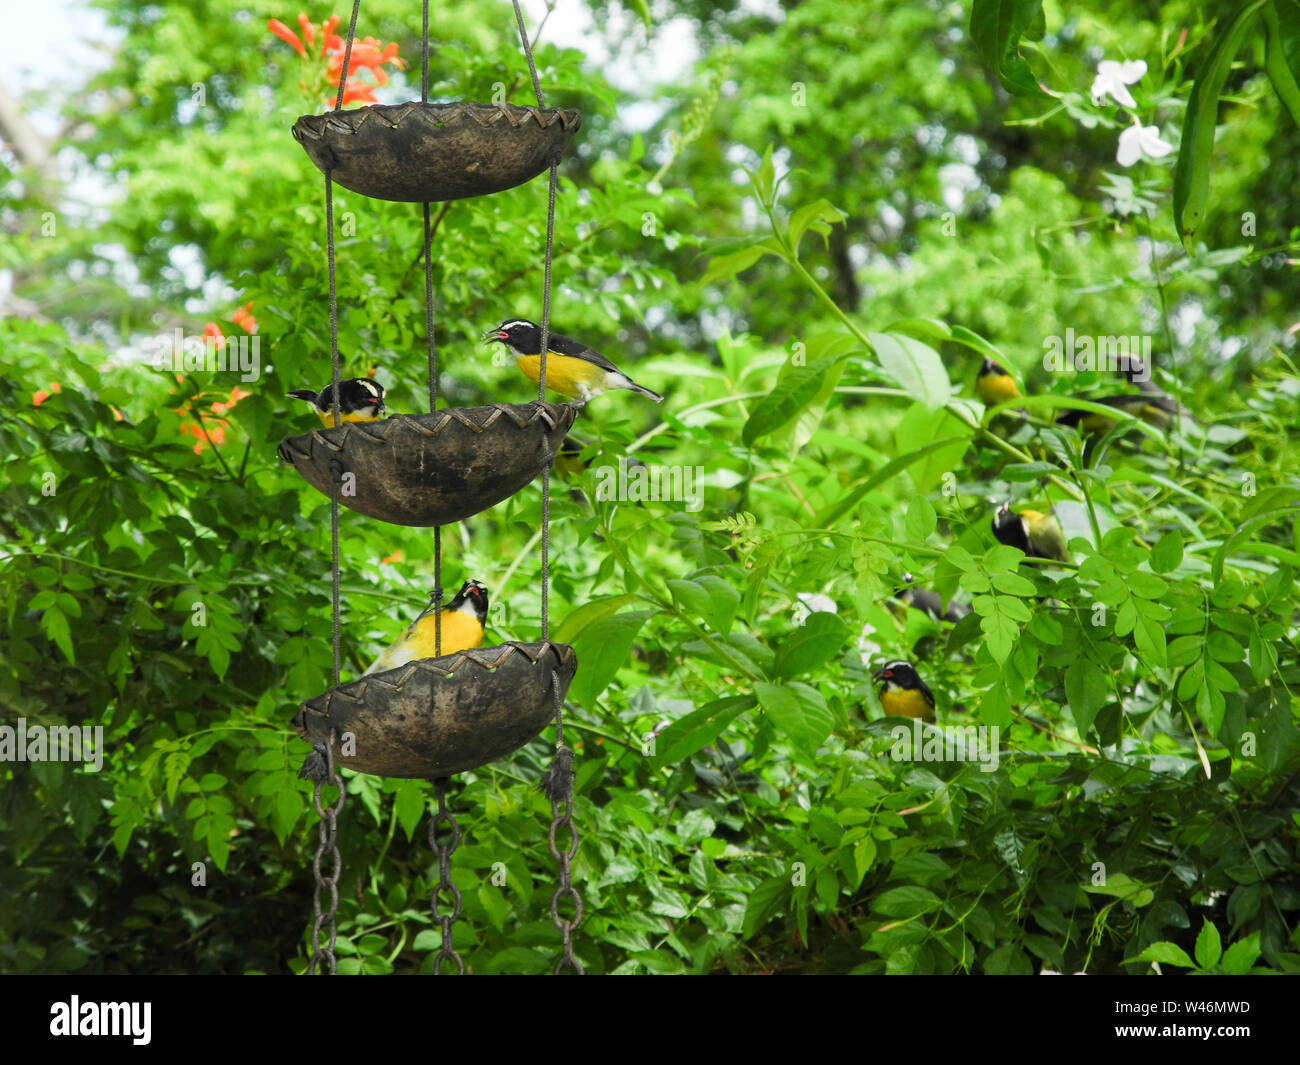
column 449, row 714
column 432, row 469
column 424, row 152
column 439, row 716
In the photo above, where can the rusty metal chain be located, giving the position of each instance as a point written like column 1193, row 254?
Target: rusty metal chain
column 557, row 785
column 443, row 854
column 328, row 832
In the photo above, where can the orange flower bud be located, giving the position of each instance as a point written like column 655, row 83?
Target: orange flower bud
column 287, row 35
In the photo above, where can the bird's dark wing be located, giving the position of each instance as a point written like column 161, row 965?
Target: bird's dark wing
column 574, row 349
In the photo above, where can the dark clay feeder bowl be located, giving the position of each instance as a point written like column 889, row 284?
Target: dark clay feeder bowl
column 439, row 716
column 422, row 152
column 432, row 469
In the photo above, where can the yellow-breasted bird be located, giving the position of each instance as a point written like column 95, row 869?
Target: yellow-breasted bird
column 462, row 628
column 360, row 400
column 572, row 368
column 1151, row 405
column 1037, row 535
column 994, row 385
column 903, row 693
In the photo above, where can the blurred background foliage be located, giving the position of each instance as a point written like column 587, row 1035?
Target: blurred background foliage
column 917, row 218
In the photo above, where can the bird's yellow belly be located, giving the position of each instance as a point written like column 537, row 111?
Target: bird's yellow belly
column 358, row 416
column 906, row 703
column 564, row 374
column 995, row 390
column 459, row 633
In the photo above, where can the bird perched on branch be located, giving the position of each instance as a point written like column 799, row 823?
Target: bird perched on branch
column 994, row 385
column 462, row 628
column 360, row 400
column 1156, row 408
column 1151, row 403
column 1037, row 535
column 572, row 368
column 903, row 693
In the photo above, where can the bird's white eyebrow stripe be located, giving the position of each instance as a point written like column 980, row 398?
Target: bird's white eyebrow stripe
column 505, row 327
column 371, row 387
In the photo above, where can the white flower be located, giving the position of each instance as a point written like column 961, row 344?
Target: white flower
column 1112, row 78
column 812, row 604
column 870, row 651
column 1140, row 141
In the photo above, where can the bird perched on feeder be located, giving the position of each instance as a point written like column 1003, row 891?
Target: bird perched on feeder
column 994, row 385
column 928, row 602
column 1037, row 535
column 903, row 693
column 572, row 368
column 360, row 400
column 462, row 628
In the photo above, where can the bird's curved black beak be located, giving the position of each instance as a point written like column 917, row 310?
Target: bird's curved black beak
column 493, row 335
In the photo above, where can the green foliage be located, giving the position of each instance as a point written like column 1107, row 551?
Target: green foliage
column 743, row 805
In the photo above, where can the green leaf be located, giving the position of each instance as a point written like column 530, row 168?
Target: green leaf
column 914, row 367
column 1149, row 636
column 1244, row 529
column 1123, row 886
column 691, row 598
column 1008, row 960
column 764, row 901
column 1164, row 953
column 1282, row 52
column 409, row 804
column 1209, row 947
column 906, row 901
column 723, row 266
column 765, row 180
column 698, row 729
column 1238, row 958
column 791, row 394
column 937, row 451
column 921, row 520
column 1167, row 555
column 795, row 714
column 723, row 603
column 972, row 340
column 930, row 445
column 1192, row 173
column 588, row 614
column 822, row 211
column 1001, row 631
column 809, row 420
column 810, row 645
column 1085, row 688
column 996, row 26
column 602, row 648
column 928, row 329
column 55, row 625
